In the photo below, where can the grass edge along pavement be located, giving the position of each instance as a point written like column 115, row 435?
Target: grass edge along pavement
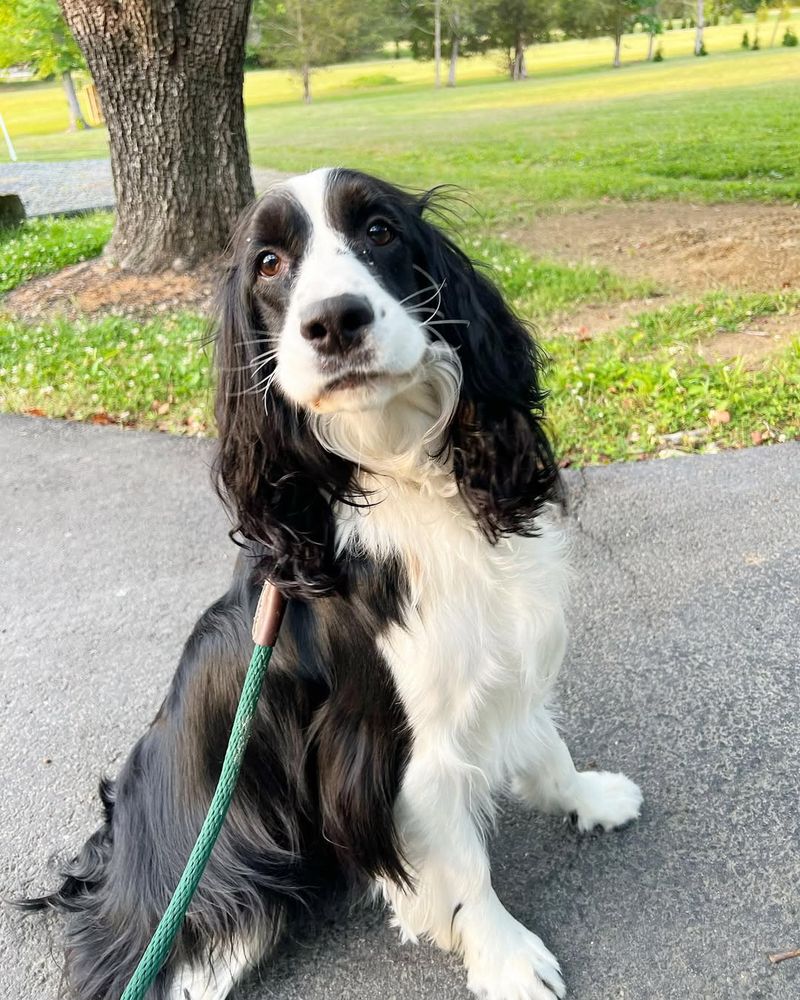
column 645, row 389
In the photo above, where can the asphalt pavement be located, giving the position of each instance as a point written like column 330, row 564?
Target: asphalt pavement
column 682, row 672
column 66, row 186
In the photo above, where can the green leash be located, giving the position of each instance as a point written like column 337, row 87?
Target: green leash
column 266, row 624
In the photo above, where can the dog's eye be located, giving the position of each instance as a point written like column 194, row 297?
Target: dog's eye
column 380, row 232
column 269, row 264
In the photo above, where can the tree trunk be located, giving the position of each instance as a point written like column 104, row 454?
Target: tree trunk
column 617, row 49
column 306, row 71
column 455, row 39
column 650, row 42
column 698, row 33
column 437, row 41
column 775, row 26
column 518, row 68
column 76, row 119
column 169, row 74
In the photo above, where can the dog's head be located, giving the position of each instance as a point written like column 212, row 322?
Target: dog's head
column 351, row 324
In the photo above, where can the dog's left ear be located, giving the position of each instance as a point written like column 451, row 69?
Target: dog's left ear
column 503, row 459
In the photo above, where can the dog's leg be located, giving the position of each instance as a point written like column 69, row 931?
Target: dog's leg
column 549, row 782
column 452, row 900
column 215, row 977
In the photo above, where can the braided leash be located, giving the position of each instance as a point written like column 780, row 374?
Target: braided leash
column 266, row 625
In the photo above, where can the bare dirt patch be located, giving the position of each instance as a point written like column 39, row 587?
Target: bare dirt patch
column 97, row 287
column 753, row 345
column 682, row 247
column 590, row 321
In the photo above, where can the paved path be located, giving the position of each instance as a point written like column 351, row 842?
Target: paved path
column 683, row 671
column 75, row 185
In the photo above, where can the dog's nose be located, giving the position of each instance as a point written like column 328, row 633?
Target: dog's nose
column 336, row 325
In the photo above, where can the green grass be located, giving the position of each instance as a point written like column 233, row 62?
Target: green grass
column 114, row 369
column 722, row 128
column 40, row 246
column 542, row 289
column 39, row 109
column 615, row 397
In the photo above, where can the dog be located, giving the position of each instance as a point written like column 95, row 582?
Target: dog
column 383, row 453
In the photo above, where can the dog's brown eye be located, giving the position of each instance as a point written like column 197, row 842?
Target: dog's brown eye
column 380, row 232
column 269, row 263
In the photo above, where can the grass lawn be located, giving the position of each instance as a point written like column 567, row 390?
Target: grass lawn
column 724, row 128
column 41, row 246
column 613, row 397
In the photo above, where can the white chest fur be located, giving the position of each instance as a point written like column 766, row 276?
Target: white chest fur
column 484, row 632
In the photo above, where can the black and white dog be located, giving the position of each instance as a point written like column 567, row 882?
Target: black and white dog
column 383, row 453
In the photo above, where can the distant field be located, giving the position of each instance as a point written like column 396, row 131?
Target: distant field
column 563, row 72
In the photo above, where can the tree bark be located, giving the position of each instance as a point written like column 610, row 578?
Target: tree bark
column 518, row 69
column 306, row 71
column 698, row 33
column 617, row 50
column 76, row 119
column 455, row 41
column 451, row 74
column 650, row 42
column 169, row 74
column 437, row 42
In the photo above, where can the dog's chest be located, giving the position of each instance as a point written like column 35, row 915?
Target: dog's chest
column 483, row 632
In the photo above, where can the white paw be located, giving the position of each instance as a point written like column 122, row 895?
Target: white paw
column 605, row 800
column 509, row 962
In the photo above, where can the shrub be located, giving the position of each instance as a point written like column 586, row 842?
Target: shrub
column 746, row 40
column 789, row 38
column 702, row 51
column 374, row 80
column 659, row 53
column 736, row 15
column 756, row 44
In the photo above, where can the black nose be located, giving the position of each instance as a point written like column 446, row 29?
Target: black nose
column 336, row 325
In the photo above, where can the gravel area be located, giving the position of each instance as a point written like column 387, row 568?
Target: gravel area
column 76, row 185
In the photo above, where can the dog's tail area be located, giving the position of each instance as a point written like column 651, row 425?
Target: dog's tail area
column 112, row 906
column 85, row 872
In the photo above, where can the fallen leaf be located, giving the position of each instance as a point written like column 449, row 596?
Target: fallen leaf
column 103, row 419
column 34, row 411
column 716, row 417
column 756, row 437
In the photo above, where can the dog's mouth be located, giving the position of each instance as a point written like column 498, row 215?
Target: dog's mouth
column 354, row 380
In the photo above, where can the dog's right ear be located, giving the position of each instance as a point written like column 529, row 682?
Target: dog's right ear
column 272, row 474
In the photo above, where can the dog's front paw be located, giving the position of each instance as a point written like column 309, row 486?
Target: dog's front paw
column 509, row 962
column 605, row 800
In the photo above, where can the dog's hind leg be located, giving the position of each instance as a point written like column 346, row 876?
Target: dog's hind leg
column 550, row 782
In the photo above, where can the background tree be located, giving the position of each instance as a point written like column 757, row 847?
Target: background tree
column 653, row 25
column 699, row 47
column 304, row 35
column 594, row 18
column 460, row 34
column 169, row 74
column 33, row 32
column 516, row 24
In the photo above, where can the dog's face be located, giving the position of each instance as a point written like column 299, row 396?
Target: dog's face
column 331, row 257
column 340, row 298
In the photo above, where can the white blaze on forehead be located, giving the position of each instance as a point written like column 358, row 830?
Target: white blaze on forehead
column 311, row 192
